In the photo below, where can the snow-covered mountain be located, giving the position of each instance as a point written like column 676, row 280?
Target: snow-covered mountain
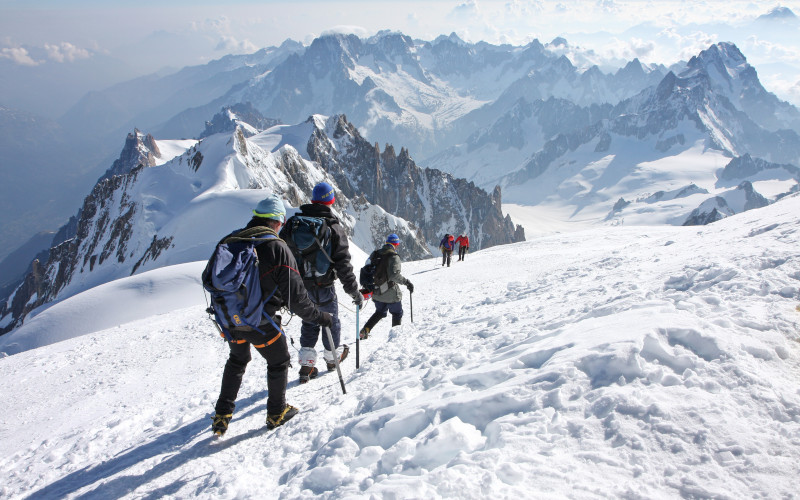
column 400, row 90
column 168, row 202
column 669, row 138
column 621, row 362
column 395, row 90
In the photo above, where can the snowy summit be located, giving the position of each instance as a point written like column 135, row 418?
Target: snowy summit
column 621, row 362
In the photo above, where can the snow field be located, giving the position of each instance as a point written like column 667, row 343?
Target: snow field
column 624, row 362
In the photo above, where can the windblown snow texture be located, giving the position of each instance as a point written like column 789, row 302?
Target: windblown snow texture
column 655, row 362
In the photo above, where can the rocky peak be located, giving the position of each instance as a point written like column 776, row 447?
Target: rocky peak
column 433, row 200
column 746, row 166
column 139, row 151
column 243, row 115
column 779, row 13
column 724, row 56
column 633, row 69
column 331, row 51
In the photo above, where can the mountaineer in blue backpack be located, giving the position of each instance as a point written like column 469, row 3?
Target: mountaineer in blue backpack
column 320, row 246
column 250, row 276
column 384, row 283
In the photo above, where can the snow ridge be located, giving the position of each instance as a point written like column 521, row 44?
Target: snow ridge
column 618, row 362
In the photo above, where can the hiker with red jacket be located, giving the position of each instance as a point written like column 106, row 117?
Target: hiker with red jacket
column 463, row 246
column 278, row 271
column 446, row 246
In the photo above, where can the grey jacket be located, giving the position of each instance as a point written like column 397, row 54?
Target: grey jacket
column 391, row 294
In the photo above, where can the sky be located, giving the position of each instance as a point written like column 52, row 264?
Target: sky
column 147, row 36
column 622, row 362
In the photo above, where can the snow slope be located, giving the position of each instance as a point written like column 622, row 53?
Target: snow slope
column 618, row 362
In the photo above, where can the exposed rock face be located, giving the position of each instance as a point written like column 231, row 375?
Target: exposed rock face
column 700, row 218
column 132, row 222
column 139, row 150
column 753, row 199
column 244, row 116
column 717, row 92
column 745, row 198
column 436, row 202
column 746, row 166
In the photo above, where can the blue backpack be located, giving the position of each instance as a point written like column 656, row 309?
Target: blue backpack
column 231, row 277
column 309, row 238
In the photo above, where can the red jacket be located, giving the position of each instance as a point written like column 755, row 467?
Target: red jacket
column 463, row 241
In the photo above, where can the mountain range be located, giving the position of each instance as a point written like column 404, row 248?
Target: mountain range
column 164, row 203
column 688, row 144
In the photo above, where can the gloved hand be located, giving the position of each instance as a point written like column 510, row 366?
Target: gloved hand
column 358, row 299
column 410, row 286
column 325, row 319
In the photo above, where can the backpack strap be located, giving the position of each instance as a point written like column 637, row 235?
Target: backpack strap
column 252, row 233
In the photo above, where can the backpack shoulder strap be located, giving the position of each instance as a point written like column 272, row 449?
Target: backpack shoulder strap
column 259, row 234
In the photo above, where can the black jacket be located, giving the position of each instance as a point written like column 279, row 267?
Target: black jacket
column 277, row 267
column 340, row 247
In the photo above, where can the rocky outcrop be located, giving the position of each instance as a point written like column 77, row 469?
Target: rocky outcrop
column 139, row 150
column 710, row 211
column 434, row 201
column 741, row 199
column 746, row 166
column 242, row 115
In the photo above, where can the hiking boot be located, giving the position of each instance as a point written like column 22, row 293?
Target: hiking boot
column 274, row 420
column 332, row 365
column 220, row 423
column 307, row 373
column 363, row 334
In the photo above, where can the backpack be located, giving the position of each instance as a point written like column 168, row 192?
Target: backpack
column 309, row 238
column 374, row 274
column 231, row 277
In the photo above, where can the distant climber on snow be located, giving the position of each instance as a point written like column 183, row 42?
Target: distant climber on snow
column 446, row 246
column 463, row 246
column 386, row 285
column 322, row 251
column 279, row 282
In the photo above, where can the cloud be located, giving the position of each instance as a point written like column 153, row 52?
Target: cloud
column 347, row 30
column 519, row 9
column 785, row 88
column 607, row 6
column 232, row 45
column 688, row 45
column 18, row 55
column 65, row 51
column 773, row 51
column 466, row 10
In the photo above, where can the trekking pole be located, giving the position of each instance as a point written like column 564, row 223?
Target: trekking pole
column 358, row 337
column 335, row 358
column 411, row 300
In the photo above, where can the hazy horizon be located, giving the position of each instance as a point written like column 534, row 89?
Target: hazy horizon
column 52, row 56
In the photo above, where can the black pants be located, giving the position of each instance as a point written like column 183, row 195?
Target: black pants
column 277, row 356
column 462, row 252
column 446, row 254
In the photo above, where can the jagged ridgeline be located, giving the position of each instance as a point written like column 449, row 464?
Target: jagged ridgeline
column 168, row 202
